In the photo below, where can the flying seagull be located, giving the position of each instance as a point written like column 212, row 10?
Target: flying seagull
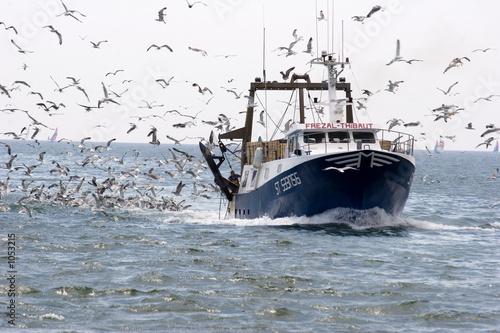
column 486, row 142
column 106, row 98
column 152, row 134
column 397, row 57
column 393, row 85
column 98, row 44
column 483, row 50
column 286, row 74
column 321, row 16
column 56, row 32
column 161, row 15
column 447, row 92
column 374, row 10
column 202, row 91
column 160, row 47
column 203, row 52
column 19, row 49
column 455, row 63
column 132, row 127
column 190, row 5
column 10, row 27
column 70, row 12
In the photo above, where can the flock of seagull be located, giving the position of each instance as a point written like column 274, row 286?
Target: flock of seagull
column 86, row 175
column 444, row 112
column 99, row 180
column 113, row 191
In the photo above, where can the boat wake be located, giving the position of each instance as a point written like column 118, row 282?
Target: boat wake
column 341, row 220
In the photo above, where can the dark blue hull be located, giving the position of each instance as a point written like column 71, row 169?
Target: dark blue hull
column 358, row 180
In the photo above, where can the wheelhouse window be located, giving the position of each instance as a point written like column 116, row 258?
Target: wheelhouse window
column 364, row 137
column 245, row 177
column 338, row 137
column 314, row 137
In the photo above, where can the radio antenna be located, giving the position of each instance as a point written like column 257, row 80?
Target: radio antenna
column 342, row 41
column 333, row 25
column 329, row 21
column 264, row 60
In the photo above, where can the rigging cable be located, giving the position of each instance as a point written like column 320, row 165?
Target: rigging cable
column 359, row 91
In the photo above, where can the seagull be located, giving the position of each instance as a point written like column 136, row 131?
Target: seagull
column 149, row 105
column 70, row 12
column 374, row 10
column 469, row 126
column 9, row 150
column 412, row 124
column 84, row 92
column 4, row 90
column 309, row 46
column 286, row 74
column 297, row 37
column 132, row 127
column 397, row 57
column 483, row 50
column 494, row 175
column 487, row 98
column 98, row 44
column 202, row 91
column 176, row 142
column 35, row 132
column 35, row 93
column 394, row 122
column 161, row 15
column 236, row 95
column 486, row 142
column 447, row 92
column 165, row 83
column 451, row 137
column 159, row 47
column 411, row 60
column 321, row 16
column 360, row 105
column 359, row 18
column 179, row 188
column 261, row 119
column 190, row 5
column 393, row 85
column 8, row 165
column 19, row 49
column 10, row 27
column 368, row 92
column 203, row 52
column 56, row 32
column 114, row 73
column 490, row 130
column 455, row 63
column 343, row 169
column 87, row 108
column 106, row 98
column 154, row 139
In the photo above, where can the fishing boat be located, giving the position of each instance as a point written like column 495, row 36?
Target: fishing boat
column 315, row 166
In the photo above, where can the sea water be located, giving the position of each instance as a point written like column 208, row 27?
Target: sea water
column 128, row 268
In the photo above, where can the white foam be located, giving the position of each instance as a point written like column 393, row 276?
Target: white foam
column 52, row 316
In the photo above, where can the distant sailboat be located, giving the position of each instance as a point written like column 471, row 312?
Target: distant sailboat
column 54, row 136
column 439, row 146
column 495, row 150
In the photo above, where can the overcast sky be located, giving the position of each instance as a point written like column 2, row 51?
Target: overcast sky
column 240, row 37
